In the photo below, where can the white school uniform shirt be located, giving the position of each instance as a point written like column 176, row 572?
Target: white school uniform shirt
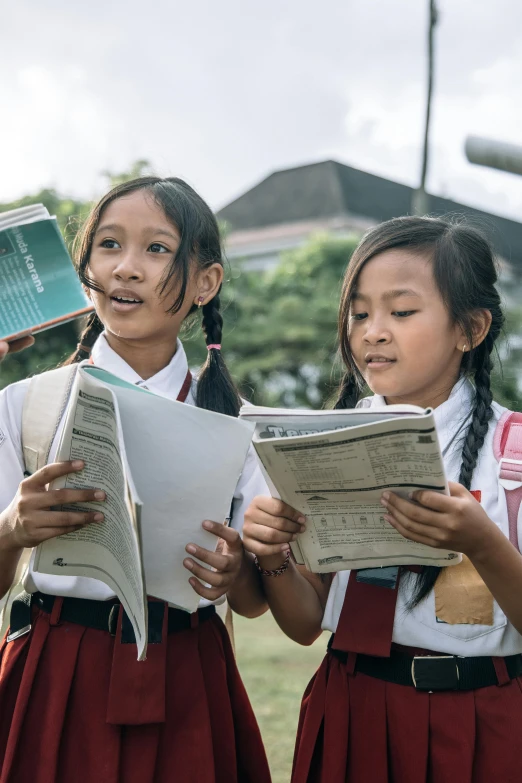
column 167, row 383
column 419, row 627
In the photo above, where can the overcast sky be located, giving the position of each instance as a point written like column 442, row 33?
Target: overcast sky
column 222, row 92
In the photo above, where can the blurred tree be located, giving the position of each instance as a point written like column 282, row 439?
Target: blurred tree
column 506, row 379
column 69, row 211
column 139, row 168
column 280, row 326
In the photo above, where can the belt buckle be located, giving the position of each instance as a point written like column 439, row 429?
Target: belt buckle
column 435, row 673
column 17, row 634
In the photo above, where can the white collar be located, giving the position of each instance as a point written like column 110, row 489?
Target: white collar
column 450, row 416
column 167, row 382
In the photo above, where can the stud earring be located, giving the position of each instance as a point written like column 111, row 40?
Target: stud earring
column 464, row 348
column 200, row 300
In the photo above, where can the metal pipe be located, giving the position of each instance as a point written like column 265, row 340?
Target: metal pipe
column 494, row 154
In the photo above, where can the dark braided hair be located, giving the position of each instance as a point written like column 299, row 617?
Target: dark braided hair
column 465, row 274
column 200, row 246
column 89, row 335
column 350, row 389
column 215, row 385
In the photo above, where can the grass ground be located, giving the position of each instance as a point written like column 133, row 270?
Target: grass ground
column 275, row 671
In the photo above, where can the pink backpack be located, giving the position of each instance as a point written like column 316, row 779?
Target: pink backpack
column 507, row 447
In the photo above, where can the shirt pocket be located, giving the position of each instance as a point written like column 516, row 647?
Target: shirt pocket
column 494, row 504
column 463, row 631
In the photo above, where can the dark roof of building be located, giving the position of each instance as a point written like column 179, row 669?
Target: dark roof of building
column 331, row 189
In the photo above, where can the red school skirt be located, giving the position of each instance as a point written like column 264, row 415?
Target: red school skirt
column 65, row 689
column 354, row 728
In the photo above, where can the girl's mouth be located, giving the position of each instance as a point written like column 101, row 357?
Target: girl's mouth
column 125, row 304
column 379, row 363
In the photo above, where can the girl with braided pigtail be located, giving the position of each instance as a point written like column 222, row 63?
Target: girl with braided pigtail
column 422, row 681
column 74, row 706
column 216, row 390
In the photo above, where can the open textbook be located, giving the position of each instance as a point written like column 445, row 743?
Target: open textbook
column 39, row 287
column 333, row 467
column 165, row 467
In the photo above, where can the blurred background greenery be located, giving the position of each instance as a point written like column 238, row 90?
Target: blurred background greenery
column 279, row 323
column 276, row 672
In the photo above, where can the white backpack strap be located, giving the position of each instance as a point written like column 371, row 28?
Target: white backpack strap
column 44, row 406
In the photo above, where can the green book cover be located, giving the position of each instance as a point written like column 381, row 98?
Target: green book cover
column 39, row 287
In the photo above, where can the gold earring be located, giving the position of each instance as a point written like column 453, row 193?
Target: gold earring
column 200, row 300
column 464, row 348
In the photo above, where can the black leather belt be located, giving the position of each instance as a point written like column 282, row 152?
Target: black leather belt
column 102, row 615
column 433, row 673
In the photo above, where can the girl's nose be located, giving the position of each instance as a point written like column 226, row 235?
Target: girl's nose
column 376, row 334
column 128, row 269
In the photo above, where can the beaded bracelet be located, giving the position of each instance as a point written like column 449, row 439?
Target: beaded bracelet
column 275, row 571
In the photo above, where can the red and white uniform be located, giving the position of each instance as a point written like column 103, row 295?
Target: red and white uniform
column 358, row 728
column 55, row 722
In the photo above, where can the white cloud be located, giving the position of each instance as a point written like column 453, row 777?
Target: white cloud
column 223, row 93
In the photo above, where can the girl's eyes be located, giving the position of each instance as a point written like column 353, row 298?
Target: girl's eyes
column 397, row 313
column 157, row 248
column 111, row 244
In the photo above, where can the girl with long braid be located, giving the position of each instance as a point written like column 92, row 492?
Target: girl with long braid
column 75, row 705
column 422, row 678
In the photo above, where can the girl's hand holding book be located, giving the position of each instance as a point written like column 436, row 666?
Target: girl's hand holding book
column 15, row 345
column 31, row 518
column 270, row 526
column 456, row 521
column 225, row 563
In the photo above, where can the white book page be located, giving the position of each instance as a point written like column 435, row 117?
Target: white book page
column 108, row 551
column 336, row 480
column 186, row 463
column 23, row 215
column 281, row 423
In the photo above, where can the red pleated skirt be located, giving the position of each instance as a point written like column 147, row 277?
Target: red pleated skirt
column 54, row 691
column 358, row 729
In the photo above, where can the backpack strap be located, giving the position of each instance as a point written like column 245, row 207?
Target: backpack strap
column 44, row 405
column 507, row 446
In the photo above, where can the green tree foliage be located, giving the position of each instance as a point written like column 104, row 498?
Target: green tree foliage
column 506, row 377
column 280, row 326
column 279, row 334
column 69, row 211
column 139, row 168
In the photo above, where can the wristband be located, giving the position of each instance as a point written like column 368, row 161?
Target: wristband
column 275, row 571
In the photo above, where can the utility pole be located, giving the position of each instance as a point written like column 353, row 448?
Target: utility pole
column 420, row 198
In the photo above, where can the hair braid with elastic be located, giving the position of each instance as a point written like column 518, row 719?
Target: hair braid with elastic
column 88, row 337
column 216, row 390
